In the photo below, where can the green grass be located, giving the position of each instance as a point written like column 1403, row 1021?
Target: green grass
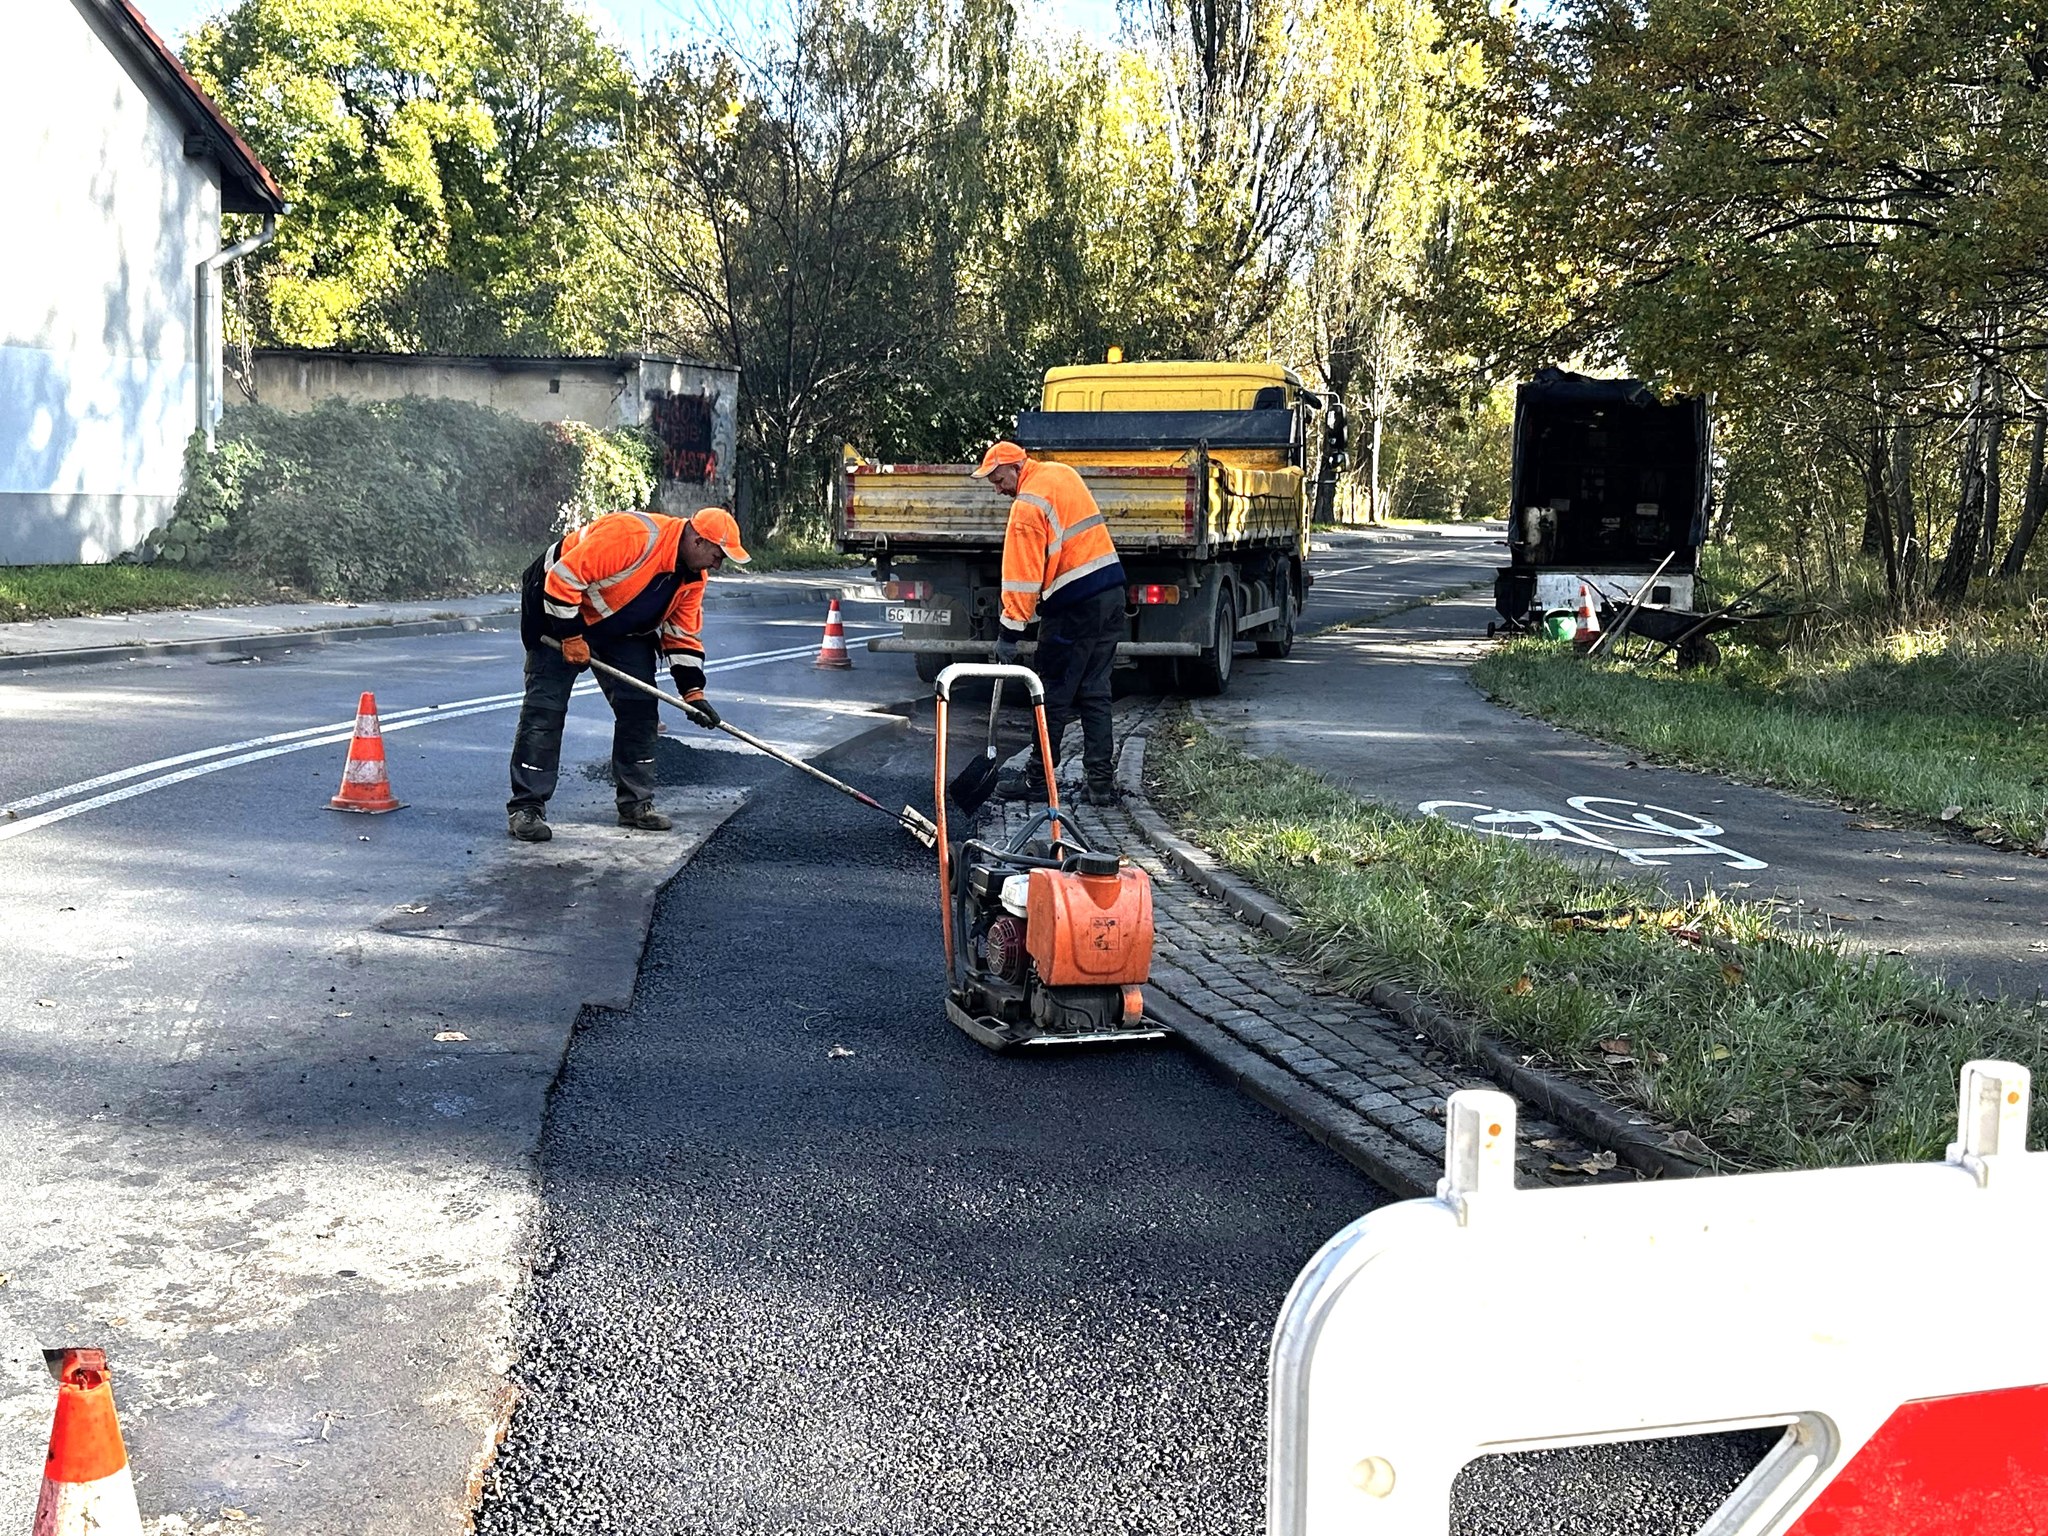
column 1943, row 725
column 799, row 552
column 1776, row 1049
column 71, row 591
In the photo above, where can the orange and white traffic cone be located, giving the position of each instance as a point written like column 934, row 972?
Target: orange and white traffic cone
column 1589, row 621
column 365, row 782
column 833, row 652
column 87, row 1490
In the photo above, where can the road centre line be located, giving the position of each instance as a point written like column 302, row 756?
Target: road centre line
column 257, row 749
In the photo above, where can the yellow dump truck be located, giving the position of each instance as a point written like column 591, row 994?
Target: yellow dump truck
column 1201, row 470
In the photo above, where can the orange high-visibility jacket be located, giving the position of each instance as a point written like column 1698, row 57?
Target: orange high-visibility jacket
column 597, row 571
column 1058, row 548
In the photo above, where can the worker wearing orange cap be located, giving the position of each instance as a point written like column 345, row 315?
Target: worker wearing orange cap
column 1060, row 568
column 627, row 588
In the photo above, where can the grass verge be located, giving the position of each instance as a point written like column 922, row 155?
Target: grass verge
column 1775, row 1049
column 1952, row 733
column 74, row 591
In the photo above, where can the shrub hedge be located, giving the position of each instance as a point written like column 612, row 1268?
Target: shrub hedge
column 391, row 498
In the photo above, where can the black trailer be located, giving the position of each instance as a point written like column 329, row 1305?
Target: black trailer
column 1608, row 480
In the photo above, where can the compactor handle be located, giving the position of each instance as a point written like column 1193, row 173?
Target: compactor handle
column 960, row 671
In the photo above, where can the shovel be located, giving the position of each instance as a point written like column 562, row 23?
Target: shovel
column 977, row 781
column 917, row 824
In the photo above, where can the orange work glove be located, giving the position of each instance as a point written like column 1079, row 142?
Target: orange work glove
column 576, row 651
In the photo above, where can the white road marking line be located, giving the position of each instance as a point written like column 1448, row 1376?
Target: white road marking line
column 258, row 748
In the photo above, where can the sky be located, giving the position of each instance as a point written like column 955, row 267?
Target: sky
column 646, row 26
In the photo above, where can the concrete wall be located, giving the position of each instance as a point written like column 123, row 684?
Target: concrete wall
column 571, row 389
column 108, row 223
column 692, row 407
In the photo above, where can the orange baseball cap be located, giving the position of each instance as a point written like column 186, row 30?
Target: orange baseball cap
column 1002, row 451
column 722, row 529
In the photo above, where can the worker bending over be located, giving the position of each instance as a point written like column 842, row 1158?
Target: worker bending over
column 1060, row 567
column 625, row 588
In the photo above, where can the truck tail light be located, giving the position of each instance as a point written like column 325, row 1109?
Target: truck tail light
column 1154, row 593
column 906, row 591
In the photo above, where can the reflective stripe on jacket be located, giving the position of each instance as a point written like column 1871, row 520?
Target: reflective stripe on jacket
column 1058, row 549
column 599, row 570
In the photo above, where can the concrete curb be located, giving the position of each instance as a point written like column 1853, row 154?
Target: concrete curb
column 254, row 645
column 336, row 634
column 1571, row 1105
column 1352, row 1137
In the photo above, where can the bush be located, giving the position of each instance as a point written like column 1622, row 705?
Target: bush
column 393, row 498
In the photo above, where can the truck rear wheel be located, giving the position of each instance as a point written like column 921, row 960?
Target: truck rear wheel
column 1283, row 641
column 1208, row 674
column 930, row 664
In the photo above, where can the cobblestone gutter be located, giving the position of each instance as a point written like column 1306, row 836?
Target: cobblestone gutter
column 1358, row 1079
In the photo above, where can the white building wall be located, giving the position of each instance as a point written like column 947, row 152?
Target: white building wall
column 97, row 294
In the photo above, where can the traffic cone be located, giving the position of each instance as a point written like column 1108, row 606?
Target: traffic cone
column 833, row 652
column 365, row 783
column 1589, row 621
column 87, row 1490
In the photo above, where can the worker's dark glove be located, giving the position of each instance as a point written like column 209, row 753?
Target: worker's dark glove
column 1006, row 649
column 576, row 651
column 701, row 712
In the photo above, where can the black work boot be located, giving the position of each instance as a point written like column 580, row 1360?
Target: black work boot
column 529, row 824
column 1018, row 787
column 644, row 817
column 1095, row 793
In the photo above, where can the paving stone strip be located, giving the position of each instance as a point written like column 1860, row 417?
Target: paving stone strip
column 1354, row 1077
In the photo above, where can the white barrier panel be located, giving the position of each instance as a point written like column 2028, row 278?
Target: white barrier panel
column 1894, row 1320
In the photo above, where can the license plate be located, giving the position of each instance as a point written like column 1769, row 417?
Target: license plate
column 917, row 615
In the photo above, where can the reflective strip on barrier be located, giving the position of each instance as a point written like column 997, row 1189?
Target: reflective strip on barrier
column 1888, row 1318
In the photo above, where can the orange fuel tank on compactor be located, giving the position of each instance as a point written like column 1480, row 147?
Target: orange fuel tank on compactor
column 1090, row 929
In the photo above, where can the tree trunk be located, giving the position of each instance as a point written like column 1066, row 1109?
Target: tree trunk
column 1994, row 481
column 2035, row 502
column 1877, row 505
column 1953, row 584
column 1378, row 503
column 1906, row 528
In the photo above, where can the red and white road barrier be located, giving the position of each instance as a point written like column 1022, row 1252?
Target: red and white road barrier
column 1889, row 1318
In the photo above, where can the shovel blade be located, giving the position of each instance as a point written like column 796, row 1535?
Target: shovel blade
column 972, row 785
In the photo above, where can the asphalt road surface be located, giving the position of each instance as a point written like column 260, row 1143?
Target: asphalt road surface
column 810, row 1260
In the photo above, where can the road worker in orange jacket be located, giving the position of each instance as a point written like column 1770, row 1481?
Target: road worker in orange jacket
column 1060, row 569
column 625, row 589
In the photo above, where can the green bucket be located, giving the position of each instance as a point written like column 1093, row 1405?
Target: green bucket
column 1561, row 624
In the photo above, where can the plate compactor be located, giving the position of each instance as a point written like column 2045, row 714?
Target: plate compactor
column 1047, row 941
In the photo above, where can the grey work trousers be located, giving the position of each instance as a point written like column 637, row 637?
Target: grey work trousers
column 1076, row 653
column 537, row 743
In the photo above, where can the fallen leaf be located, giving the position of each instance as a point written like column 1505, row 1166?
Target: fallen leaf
column 1599, row 1162
column 1733, row 974
column 1521, row 986
column 450, row 1034
column 1872, row 826
column 229, row 1512
column 1741, row 1114
column 837, row 1053
column 1541, row 1144
column 1685, row 1144
column 1951, row 812
column 1719, row 1053
column 1617, row 1047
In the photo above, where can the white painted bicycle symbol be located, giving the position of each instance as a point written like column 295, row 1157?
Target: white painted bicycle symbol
column 1670, row 834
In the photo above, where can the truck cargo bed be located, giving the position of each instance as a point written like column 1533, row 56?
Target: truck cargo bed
column 1149, row 508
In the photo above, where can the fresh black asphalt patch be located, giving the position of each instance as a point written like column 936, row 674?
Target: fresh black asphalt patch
column 810, row 1260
